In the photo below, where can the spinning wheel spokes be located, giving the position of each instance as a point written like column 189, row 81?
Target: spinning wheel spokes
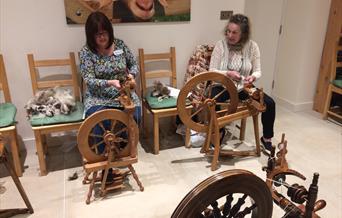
column 104, row 128
column 113, row 123
column 234, row 205
column 120, row 131
column 231, row 193
column 201, row 91
column 106, row 124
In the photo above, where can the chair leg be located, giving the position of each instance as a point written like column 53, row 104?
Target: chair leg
column 243, row 129
column 44, row 143
column 40, row 153
column 15, row 152
column 256, row 133
column 145, row 120
column 156, row 133
column 135, row 176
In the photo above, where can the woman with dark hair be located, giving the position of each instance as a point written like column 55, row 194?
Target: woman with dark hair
column 238, row 57
column 105, row 63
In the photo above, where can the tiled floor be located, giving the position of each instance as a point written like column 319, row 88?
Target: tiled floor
column 314, row 145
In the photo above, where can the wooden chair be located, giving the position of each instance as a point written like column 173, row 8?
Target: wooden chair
column 58, row 123
column 158, row 110
column 7, row 118
column 335, row 85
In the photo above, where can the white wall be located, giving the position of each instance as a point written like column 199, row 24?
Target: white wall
column 265, row 19
column 300, row 50
column 39, row 27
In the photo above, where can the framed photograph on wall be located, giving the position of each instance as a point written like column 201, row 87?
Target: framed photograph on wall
column 128, row 11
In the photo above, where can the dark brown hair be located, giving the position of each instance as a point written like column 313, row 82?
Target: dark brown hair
column 243, row 22
column 96, row 22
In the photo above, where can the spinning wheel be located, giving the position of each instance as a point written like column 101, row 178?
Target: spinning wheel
column 232, row 193
column 116, row 132
column 108, row 139
column 199, row 91
column 207, row 93
column 277, row 170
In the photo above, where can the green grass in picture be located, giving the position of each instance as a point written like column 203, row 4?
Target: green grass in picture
column 181, row 17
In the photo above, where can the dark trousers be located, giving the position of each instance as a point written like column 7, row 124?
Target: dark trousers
column 267, row 117
column 97, row 130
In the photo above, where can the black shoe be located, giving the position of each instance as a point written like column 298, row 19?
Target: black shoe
column 222, row 134
column 266, row 146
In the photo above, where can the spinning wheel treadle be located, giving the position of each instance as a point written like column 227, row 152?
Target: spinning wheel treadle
column 199, row 90
column 231, row 193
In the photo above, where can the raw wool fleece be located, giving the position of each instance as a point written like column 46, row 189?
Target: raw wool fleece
column 160, row 90
column 199, row 61
column 51, row 102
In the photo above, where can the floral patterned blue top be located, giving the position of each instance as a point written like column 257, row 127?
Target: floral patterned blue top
column 97, row 69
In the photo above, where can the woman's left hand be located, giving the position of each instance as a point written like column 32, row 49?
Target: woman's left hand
column 249, row 79
column 115, row 83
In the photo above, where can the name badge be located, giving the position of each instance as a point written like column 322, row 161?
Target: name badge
column 118, row 52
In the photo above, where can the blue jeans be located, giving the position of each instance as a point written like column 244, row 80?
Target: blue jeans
column 97, row 130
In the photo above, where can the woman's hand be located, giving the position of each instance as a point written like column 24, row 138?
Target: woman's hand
column 249, row 79
column 115, row 83
column 234, row 75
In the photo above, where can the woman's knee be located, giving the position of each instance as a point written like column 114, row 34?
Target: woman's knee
column 269, row 102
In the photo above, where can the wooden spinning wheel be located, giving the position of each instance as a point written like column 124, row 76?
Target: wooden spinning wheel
column 108, row 139
column 116, row 131
column 198, row 91
column 232, row 193
column 301, row 202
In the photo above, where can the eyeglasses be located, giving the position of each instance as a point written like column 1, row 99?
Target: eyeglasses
column 101, row 34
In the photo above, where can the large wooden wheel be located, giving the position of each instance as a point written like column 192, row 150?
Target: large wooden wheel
column 198, row 91
column 233, row 193
column 114, row 126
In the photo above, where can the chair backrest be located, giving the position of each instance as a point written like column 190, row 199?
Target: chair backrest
column 157, row 74
column 38, row 84
column 3, row 80
column 336, row 61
